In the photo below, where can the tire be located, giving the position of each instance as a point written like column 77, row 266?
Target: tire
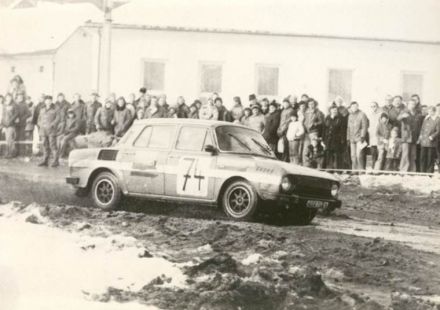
column 240, row 201
column 303, row 215
column 105, row 191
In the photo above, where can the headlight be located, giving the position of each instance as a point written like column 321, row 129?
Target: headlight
column 286, row 184
column 335, row 190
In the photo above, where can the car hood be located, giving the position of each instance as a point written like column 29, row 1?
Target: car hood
column 288, row 168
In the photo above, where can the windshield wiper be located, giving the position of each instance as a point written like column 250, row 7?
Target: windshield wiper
column 264, row 148
column 240, row 142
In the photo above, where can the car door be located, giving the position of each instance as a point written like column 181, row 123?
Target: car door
column 189, row 166
column 151, row 150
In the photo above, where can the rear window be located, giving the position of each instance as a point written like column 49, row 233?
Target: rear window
column 159, row 137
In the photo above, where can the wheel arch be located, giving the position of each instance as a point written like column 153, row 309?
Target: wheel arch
column 99, row 170
column 228, row 182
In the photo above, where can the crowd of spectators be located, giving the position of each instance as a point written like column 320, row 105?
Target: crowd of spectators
column 399, row 136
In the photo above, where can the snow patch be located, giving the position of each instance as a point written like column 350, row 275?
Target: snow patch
column 251, row 259
column 421, row 184
column 43, row 267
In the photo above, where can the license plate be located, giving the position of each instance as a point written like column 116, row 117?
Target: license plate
column 316, row 204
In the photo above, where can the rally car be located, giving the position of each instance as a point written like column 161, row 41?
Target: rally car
column 200, row 161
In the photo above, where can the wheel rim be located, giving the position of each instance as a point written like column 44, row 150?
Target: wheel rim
column 238, row 201
column 104, row 192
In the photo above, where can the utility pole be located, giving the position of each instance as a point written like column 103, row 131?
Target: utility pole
column 106, row 46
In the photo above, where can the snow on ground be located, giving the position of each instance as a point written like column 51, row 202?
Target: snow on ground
column 43, row 267
column 421, row 184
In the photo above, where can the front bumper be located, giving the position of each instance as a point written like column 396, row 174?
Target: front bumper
column 72, row 180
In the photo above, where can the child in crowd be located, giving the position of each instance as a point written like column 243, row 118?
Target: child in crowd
column 140, row 113
column 295, row 134
column 383, row 131
column 315, row 153
column 394, row 150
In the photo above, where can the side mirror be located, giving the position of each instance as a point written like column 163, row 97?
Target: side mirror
column 211, row 149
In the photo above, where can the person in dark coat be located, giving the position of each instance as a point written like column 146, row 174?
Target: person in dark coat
column 122, row 117
column 92, row 107
column 48, row 120
column 8, row 122
column 223, row 113
column 427, row 140
column 193, row 111
column 182, row 110
column 333, row 139
column 285, row 116
column 104, row 117
column 23, row 115
column 315, row 153
column 71, row 131
column 79, row 108
column 272, row 122
column 383, row 132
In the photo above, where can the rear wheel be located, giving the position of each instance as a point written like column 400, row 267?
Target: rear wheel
column 106, row 193
column 240, row 201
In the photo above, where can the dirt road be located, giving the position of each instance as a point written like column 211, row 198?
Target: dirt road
column 380, row 251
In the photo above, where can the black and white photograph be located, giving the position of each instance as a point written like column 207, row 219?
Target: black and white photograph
column 219, row 154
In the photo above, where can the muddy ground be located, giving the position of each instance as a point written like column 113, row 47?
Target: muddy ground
column 381, row 250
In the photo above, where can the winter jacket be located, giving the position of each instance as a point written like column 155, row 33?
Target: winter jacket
column 284, row 121
column 410, row 126
column 91, row 109
column 429, row 132
column 244, row 120
column 393, row 114
column 208, row 111
column 295, row 131
column 122, row 120
column 62, row 108
column 72, row 126
column 313, row 121
column 374, row 121
column 182, row 111
column 48, row 120
column 29, row 123
column 357, row 127
column 272, row 122
column 158, row 112
column 10, row 115
column 23, row 114
column 332, row 134
column 224, row 114
column 103, row 119
column 257, row 122
column 383, row 131
column 194, row 114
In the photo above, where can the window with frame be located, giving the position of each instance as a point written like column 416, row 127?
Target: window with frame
column 161, row 137
column 144, row 138
column 267, row 80
column 412, row 83
column 191, row 139
column 154, row 75
column 340, row 84
column 210, row 78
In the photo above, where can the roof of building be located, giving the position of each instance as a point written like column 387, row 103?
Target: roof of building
column 42, row 28
column 405, row 20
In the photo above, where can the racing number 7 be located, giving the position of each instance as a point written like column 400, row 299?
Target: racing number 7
column 187, row 176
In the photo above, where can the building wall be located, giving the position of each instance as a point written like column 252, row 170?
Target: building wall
column 36, row 71
column 74, row 65
column 303, row 64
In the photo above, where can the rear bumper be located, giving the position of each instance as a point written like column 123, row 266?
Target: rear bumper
column 72, row 180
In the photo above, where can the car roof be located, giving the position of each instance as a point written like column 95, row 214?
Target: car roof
column 187, row 121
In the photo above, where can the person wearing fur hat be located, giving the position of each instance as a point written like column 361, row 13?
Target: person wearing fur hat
column 223, row 113
column 48, row 120
column 122, row 118
column 92, row 107
column 104, row 117
column 256, row 120
column 193, row 111
column 182, row 110
column 244, row 120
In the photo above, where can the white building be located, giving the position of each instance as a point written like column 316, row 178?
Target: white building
column 272, row 48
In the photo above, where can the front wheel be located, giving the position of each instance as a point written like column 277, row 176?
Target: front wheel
column 106, row 193
column 240, row 201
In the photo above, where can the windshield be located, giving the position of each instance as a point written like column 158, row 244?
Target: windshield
column 242, row 140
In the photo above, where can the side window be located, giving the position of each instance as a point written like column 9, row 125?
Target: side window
column 161, row 137
column 144, row 138
column 191, row 139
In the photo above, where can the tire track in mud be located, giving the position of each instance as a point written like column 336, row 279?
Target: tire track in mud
column 418, row 237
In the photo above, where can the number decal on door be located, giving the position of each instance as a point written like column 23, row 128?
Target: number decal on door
column 191, row 177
